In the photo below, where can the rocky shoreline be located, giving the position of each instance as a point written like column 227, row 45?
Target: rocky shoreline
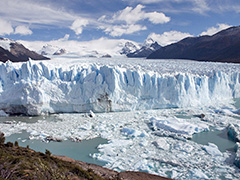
column 111, row 174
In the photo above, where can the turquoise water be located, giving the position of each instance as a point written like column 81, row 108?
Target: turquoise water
column 237, row 103
column 220, row 138
column 28, row 119
column 78, row 151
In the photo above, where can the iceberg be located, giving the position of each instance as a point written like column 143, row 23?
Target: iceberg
column 176, row 127
column 35, row 88
column 132, row 144
column 212, row 149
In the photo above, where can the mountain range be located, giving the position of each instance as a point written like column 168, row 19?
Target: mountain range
column 16, row 52
column 223, row 46
column 148, row 47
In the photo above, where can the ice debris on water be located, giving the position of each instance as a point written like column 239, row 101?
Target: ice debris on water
column 156, row 141
column 237, row 156
column 132, row 144
column 176, row 127
column 212, row 149
column 234, row 132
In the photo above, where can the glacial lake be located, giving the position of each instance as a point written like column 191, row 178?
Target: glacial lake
column 220, row 138
column 75, row 150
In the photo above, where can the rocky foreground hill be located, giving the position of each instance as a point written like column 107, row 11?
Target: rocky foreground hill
column 23, row 163
column 224, row 46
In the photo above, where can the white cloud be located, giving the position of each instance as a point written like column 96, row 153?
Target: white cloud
column 5, row 27
column 78, row 24
column 123, row 29
column 157, row 18
column 197, row 6
column 65, row 38
column 169, row 37
column 22, row 30
column 213, row 30
column 125, row 21
column 132, row 15
column 36, row 13
column 200, row 6
column 129, row 15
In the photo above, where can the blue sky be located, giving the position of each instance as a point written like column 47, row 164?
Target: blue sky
column 83, row 20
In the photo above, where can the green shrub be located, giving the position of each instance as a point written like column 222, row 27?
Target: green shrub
column 16, row 144
column 48, row 153
column 2, row 138
column 9, row 144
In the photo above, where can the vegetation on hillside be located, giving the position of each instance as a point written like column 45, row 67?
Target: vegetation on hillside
column 23, row 163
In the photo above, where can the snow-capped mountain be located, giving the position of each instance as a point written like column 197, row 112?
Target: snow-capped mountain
column 52, row 50
column 129, row 47
column 16, row 52
column 96, row 48
column 148, row 47
column 102, row 47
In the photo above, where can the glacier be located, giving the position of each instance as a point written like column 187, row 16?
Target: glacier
column 103, row 85
column 147, row 110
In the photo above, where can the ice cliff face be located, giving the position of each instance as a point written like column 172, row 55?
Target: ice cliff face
column 33, row 88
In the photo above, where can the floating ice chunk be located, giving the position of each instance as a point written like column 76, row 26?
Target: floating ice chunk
column 183, row 147
column 198, row 174
column 237, row 157
column 86, row 126
column 143, row 143
column 176, row 125
column 212, row 149
column 3, row 114
column 132, row 132
column 228, row 111
column 234, row 132
column 161, row 143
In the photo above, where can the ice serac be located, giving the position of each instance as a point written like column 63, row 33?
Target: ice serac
column 34, row 88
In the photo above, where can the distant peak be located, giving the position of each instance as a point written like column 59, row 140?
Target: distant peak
column 148, row 42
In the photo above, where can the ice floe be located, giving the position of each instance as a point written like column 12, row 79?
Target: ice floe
column 154, row 108
column 134, row 145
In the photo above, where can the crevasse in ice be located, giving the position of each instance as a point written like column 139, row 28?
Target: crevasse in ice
column 34, row 88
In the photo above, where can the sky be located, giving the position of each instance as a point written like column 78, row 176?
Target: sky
column 166, row 21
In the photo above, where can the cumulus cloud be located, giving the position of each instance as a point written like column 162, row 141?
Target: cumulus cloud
column 78, row 24
column 123, row 29
column 125, row 21
column 169, row 37
column 22, row 30
column 5, row 27
column 129, row 15
column 213, row 30
column 157, row 18
column 132, row 15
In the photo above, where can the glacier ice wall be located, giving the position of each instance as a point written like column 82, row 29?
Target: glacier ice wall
column 33, row 88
